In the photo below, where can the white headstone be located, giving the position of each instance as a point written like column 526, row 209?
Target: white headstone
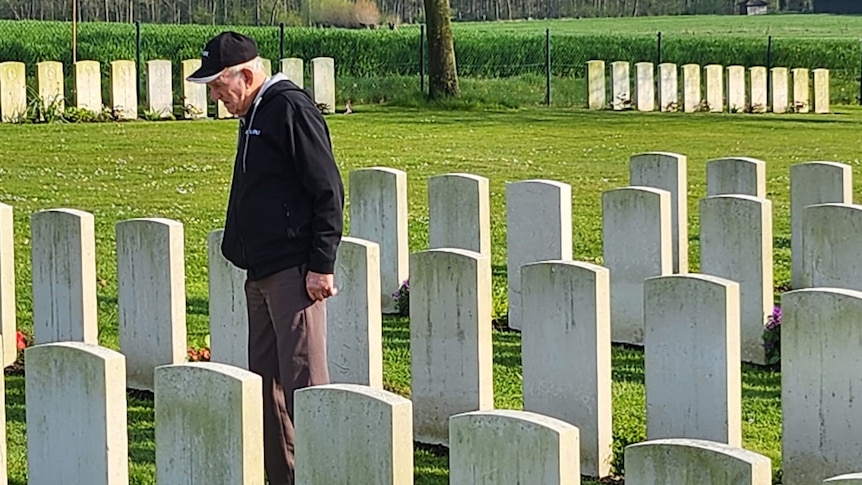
column 821, row 369
column 568, row 305
column 645, row 95
column 8, row 300
column 292, row 67
column 814, row 183
column 76, row 415
column 228, row 310
column 821, row 90
column 450, row 339
column 736, row 89
column 621, row 85
column 194, row 95
column 459, row 212
column 715, row 87
column 267, row 66
column 668, row 97
column 323, row 82
column 13, row 91
column 124, row 89
column 667, row 171
column 692, row 96
column 160, row 97
column 88, row 86
column 378, row 213
column 677, row 461
column 736, row 244
column 736, row 176
column 347, row 433
column 50, row 78
column 758, row 92
column 830, row 255
column 151, row 297
column 779, row 89
column 209, row 424
column 221, row 110
column 636, row 244
column 596, row 84
column 505, row 447
column 64, row 276
column 538, row 228
column 801, row 101
column 692, row 343
column 355, row 329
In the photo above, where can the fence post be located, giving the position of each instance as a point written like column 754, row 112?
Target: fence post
column 860, row 73
column 138, row 56
column 422, row 58
column 281, row 41
column 548, row 67
column 658, row 44
column 768, row 66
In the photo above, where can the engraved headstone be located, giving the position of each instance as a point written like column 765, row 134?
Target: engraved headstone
column 124, row 89
column 88, row 86
column 323, row 82
column 596, row 81
column 194, row 98
column 13, row 91
column 293, row 68
column 800, row 90
column 50, row 79
column 669, row 88
column 160, row 98
column 691, row 87
column 758, row 92
column 779, row 90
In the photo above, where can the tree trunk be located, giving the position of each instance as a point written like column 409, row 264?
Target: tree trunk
column 442, row 74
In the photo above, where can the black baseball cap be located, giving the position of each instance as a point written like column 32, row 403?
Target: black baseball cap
column 225, row 50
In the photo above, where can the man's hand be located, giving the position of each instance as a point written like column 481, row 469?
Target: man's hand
column 320, row 286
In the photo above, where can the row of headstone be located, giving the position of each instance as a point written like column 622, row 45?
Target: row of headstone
column 124, row 87
column 725, row 88
column 342, row 428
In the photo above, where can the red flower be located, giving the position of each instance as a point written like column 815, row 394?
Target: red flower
column 22, row 343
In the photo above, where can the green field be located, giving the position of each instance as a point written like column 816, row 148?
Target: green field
column 164, row 169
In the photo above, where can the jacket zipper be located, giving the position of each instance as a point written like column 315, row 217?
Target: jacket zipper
column 244, row 153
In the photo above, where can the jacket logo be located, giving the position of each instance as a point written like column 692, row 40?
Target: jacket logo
column 252, row 132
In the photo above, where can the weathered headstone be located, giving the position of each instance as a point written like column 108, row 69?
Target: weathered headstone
column 681, row 461
column 736, row 176
column 715, row 88
column 8, row 317
column 668, row 97
column 50, row 78
column 645, row 95
column 757, row 90
column 636, row 243
column 779, row 89
column 64, row 276
column 228, row 310
column 667, row 171
column 736, row 89
column 820, row 370
column 378, row 213
column 267, row 66
column 736, row 244
column 821, row 90
column 692, row 331
column 221, row 111
column 76, row 415
column 621, row 79
column 504, row 447
column 596, row 84
column 568, row 306
column 151, row 297
column 194, row 95
column 346, row 433
column 801, row 101
column 88, row 86
column 538, row 228
column 355, row 329
column 323, row 82
column 450, row 339
column 459, row 212
column 846, row 479
column 691, row 87
column 813, row 183
column 13, row 91
column 209, row 424
column 830, row 254
column 160, row 97
column 124, row 89
column 293, row 68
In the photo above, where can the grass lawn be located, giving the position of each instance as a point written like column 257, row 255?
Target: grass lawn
column 181, row 170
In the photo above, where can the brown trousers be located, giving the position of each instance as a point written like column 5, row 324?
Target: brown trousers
column 287, row 348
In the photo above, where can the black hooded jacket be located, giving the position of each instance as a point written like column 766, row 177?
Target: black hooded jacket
column 286, row 199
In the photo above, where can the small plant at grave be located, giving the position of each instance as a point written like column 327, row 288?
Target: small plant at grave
column 772, row 337
column 402, row 298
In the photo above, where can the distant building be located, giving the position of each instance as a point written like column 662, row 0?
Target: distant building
column 837, row 6
column 752, row 7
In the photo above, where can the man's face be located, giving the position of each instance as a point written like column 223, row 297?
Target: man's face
column 232, row 90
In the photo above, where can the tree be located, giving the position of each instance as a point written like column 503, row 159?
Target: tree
column 442, row 73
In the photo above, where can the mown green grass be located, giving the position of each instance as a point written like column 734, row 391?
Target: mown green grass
column 181, row 170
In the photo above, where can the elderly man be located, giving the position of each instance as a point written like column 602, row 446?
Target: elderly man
column 284, row 225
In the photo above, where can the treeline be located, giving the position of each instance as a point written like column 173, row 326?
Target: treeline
column 391, row 12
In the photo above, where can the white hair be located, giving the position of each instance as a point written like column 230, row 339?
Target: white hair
column 255, row 64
